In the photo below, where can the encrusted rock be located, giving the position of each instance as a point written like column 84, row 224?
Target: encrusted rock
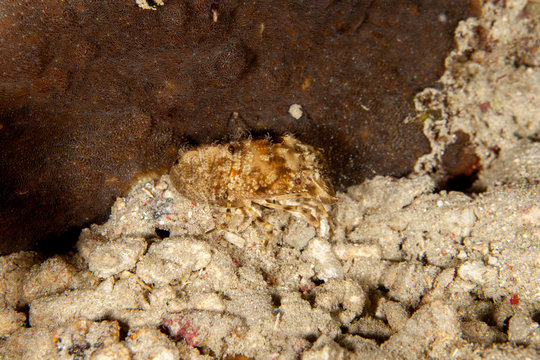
column 107, row 257
column 173, row 260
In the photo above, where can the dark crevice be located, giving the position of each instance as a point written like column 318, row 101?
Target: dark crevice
column 311, row 338
column 61, row 244
column 462, row 183
column 276, row 301
column 536, row 317
column 162, row 233
column 25, row 309
column 309, row 297
column 459, row 167
column 124, row 330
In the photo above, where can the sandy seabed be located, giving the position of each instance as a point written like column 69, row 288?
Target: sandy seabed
column 409, row 273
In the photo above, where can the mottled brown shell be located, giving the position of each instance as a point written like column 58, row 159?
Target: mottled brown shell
column 250, row 170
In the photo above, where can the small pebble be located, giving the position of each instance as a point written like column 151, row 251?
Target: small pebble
column 295, row 110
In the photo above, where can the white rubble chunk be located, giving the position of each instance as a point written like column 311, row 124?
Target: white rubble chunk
column 441, row 285
column 517, row 164
column 220, row 274
column 13, row 269
column 370, row 327
column 234, row 239
column 381, row 241
column 347, row 214
column 330, row 351
column 521, row 327
column 208, row 328
column 118, row 351
column 395, row 313
column 55, row 275
column 29, row 343
column 327, row 265
column 480, row 332
column 413, row 339
column 336, row 293
column 10, row 321
column 109, row 297
column 477, row 272
column 408, row 282
column 107, row 257
column 148, row 343
column 255, row 302
column 368, row 271
column 362, row 347
column 346, row 252
column 161, row 296
column 382, row 192
column 85, row 336
column 207, row 301
column 296, row 317
column 298, row 233
column 173, row 259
